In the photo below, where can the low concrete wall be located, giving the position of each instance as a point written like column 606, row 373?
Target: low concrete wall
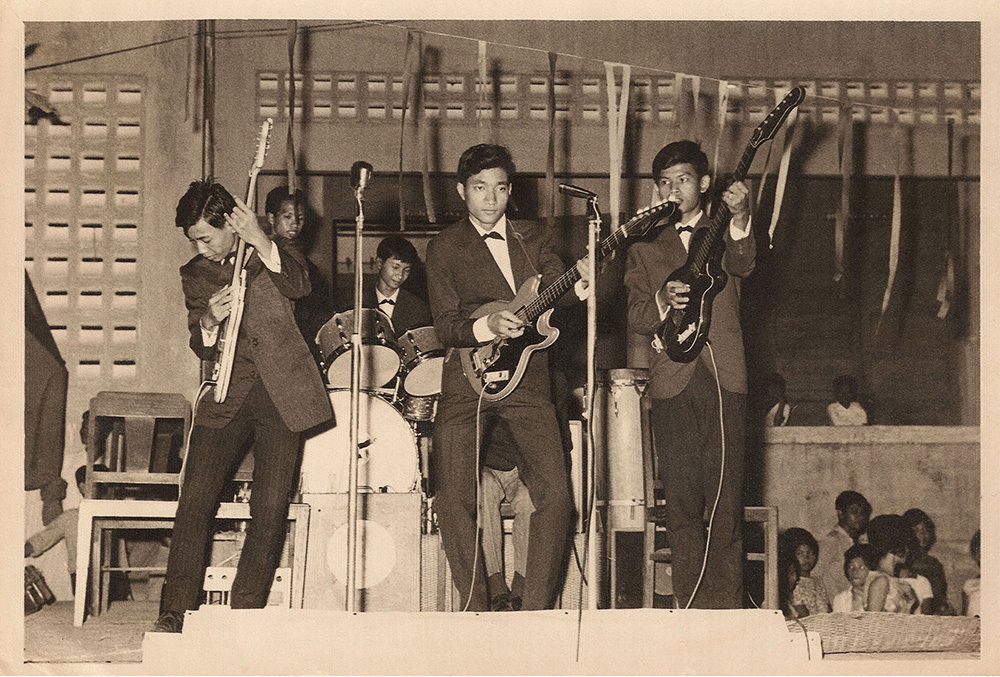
column 934, row 468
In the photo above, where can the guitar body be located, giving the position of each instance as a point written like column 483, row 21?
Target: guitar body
column 684, row 332
column 495, row 369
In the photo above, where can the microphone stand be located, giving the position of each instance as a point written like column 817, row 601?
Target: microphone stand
column 593, row 232
column 353, row 445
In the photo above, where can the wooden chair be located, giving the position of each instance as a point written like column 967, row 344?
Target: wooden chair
column 766, row 516
column 141, row 437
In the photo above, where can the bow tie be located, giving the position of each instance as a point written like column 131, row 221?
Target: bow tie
column 389, row 301
column 685, row 229
column 492, row 235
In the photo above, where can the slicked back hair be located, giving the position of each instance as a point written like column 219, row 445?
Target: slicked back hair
column 204, row 200
column 484, row 156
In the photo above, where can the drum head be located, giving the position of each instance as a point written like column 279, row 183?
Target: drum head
column 425, row 378
column 379, row 365
column 388, row 458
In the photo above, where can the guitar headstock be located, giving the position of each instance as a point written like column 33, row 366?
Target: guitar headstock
column 263, row 142
column 650, row 217
column 769, row 127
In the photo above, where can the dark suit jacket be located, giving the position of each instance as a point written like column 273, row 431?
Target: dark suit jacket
column 409, row 312
column 462, row 276
column 647, row 268
column 269, row 344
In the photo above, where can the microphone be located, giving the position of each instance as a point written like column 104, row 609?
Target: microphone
column 576, row 191
column 361, row 171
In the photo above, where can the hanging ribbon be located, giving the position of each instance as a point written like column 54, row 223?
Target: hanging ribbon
column 723, row 107
column 679, row 116
column 695, row 129
column 946, row 286
column 788, row 142
column 424, row 135
column 550, row 158
column 293, row 29
column 193, row 81
column 845, row 159
column 482, row 117
column 208, row 102
column 407, row 83
column 897, row 221
column 617, row 114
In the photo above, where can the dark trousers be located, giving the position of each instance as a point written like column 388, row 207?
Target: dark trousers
column 213, row 456
column 686, row 430
column 531, row 419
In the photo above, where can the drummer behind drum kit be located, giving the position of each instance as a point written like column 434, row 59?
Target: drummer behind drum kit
column 400, row 383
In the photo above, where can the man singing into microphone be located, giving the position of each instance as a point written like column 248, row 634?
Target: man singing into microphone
column 692, row 435
column 483, row 258
column 275, row 393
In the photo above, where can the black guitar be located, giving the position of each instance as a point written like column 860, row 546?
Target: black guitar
column 684, row 332
column 497, row 367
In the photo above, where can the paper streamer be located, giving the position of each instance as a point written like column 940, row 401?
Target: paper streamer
column 550, row 158
column 482, row 116
column 897, row 204
column 946, row 286
column 786, row 156
column 693, row 132
column 723, row 106
column 290, row 141
column 617, row 115
column 425, row 142
column 408, row 60
column 845, row 158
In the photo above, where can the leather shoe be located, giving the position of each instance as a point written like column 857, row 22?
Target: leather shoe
column 169, row 621
column 501, row 603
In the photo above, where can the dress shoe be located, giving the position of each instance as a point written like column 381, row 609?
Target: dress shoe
column 169, row 621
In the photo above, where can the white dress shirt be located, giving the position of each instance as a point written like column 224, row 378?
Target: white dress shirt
column 386, row 308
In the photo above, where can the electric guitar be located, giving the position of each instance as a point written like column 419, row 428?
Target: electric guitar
column 495, row 369
column 684, row 332
column 222, row 371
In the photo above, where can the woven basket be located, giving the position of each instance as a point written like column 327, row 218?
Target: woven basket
column 879, row 632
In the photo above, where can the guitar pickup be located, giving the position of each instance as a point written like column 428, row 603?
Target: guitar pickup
column 687, row 332
column 496, row 376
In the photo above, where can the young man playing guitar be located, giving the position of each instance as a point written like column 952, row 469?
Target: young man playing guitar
column 686, row 395
column 481, row 259
column 275, row 393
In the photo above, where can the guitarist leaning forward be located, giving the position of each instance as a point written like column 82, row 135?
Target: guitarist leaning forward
column 476, row 261
column 685, row 396
column 275, row 393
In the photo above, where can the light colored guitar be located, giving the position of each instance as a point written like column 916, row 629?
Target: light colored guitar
column 497, row 367
column 222, row 371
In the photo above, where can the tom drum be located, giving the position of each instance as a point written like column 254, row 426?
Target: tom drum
column 379, row 356
column 423, row 361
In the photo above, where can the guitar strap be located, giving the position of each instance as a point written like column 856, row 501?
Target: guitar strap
column 520, row 240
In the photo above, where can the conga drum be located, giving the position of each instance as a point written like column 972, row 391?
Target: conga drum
column 618, row 443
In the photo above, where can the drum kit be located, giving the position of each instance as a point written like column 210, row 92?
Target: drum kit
column 400, row 384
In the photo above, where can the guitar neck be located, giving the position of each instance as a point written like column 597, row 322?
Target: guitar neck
column 720, row 220
column 548, row 297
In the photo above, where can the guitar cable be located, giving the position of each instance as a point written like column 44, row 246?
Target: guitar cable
column 722, row 473
column 202, row 390
column 479, row 488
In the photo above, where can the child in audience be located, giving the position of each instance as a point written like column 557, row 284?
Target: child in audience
column 775, row 401
column 809, row 595
column 845, row 409
column 970, row 591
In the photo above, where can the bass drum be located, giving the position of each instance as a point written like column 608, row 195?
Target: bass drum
column 387, row 463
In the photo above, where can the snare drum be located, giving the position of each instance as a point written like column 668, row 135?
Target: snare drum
column 423, row 361
column 416, row 408
column 379, row 359
column 388, row 459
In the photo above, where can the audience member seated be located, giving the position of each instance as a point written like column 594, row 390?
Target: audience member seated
column 853, row 512
column 873, row 585
column 970, row 591
column 776, row 406
column 788, row 579
column 62, row 528
column 894, row 542
column 845, row 409
column 920, row 563
column 808, row 596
